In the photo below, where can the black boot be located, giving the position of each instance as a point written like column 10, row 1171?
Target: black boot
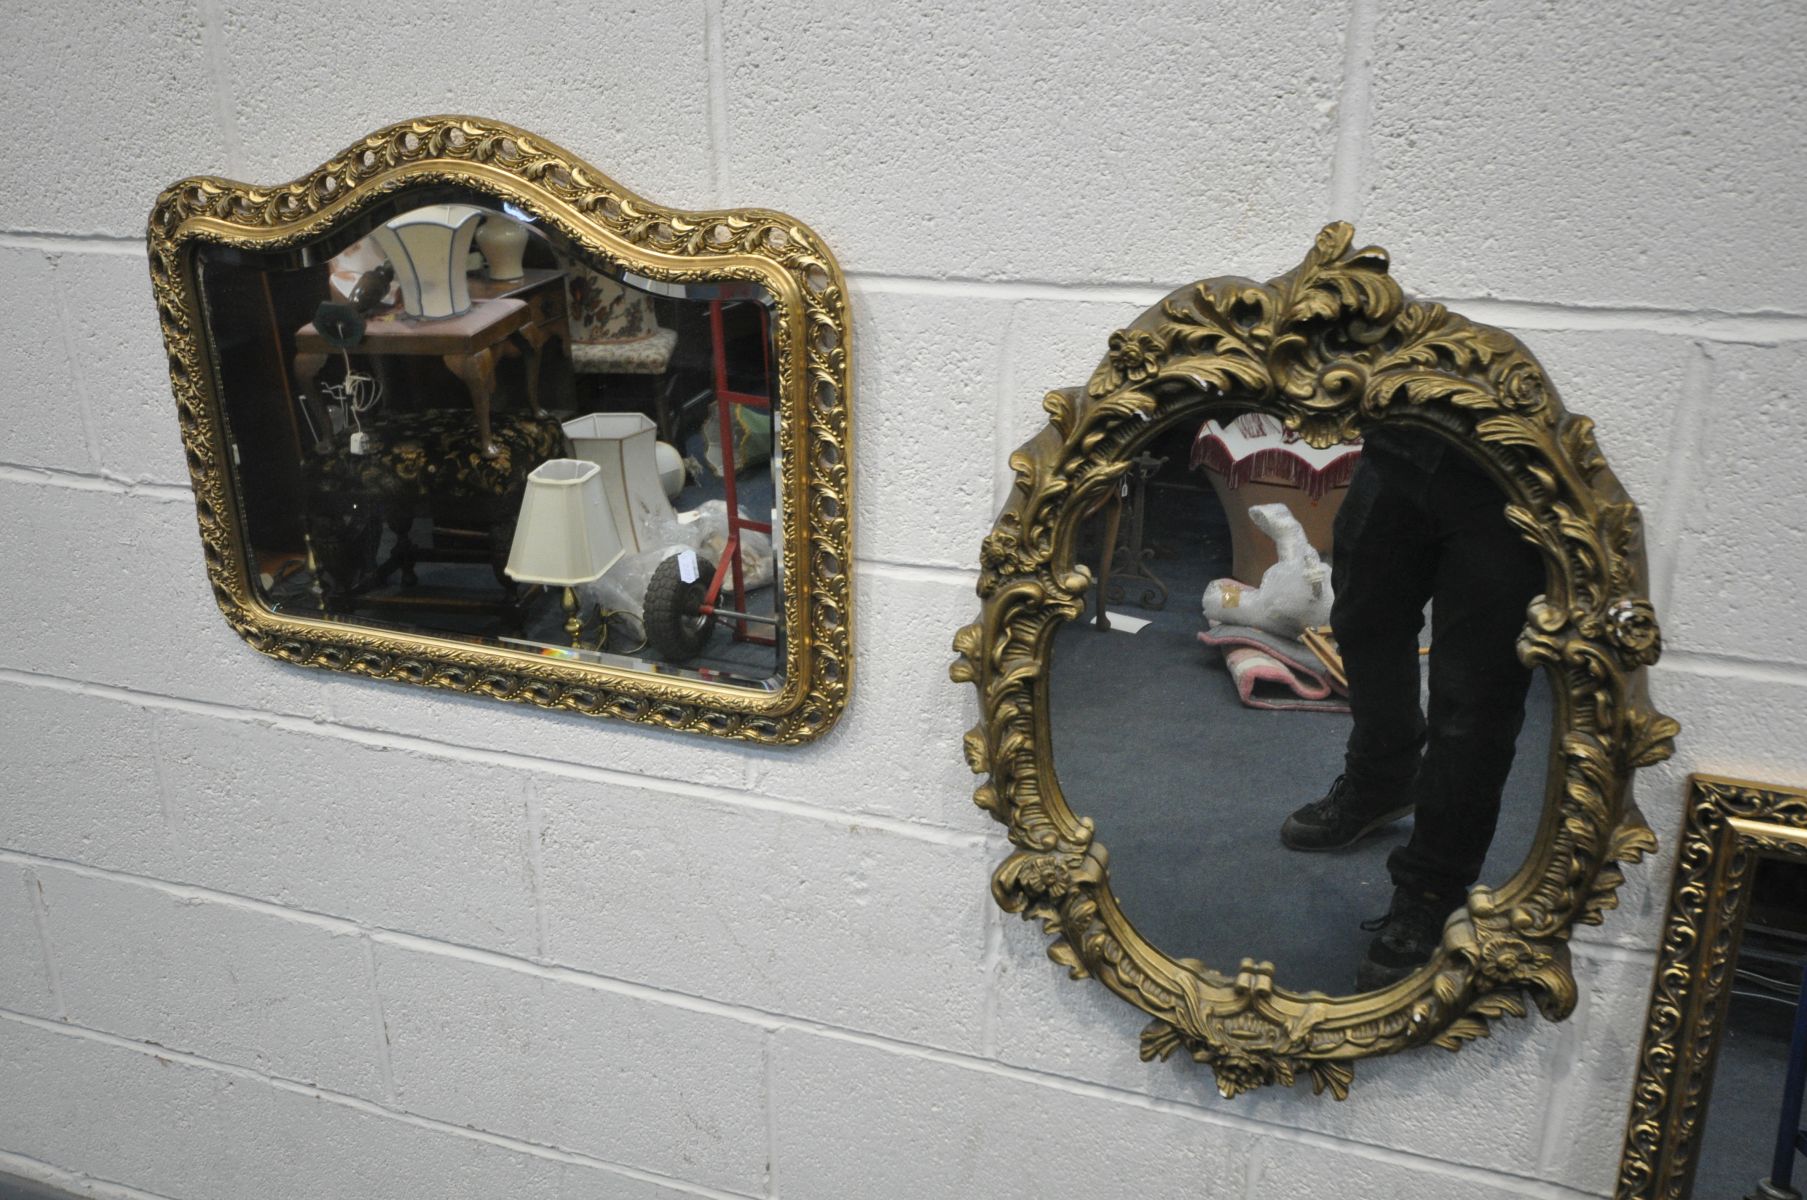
column 1341, row 818
column 1409, row 935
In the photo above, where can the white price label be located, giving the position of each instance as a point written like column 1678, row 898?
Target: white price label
column 687, row 566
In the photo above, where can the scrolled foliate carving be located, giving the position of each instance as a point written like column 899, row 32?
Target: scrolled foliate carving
column 1331, row 348
column 614, row 227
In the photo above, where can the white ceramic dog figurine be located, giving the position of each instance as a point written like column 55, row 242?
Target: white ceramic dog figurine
column 1294, row 592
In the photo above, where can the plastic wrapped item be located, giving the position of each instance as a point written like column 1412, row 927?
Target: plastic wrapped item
column 752, row 433
column 1295, row 592
column 622, row 587
column 670, row 622
column 705, row 530
column 757, row 565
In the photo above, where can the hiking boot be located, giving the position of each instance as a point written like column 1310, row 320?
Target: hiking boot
column 1342, row 818
column 1409, row 935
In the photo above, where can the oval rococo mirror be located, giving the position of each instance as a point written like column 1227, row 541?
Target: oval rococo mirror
column 1319, row 612
column 462, row 411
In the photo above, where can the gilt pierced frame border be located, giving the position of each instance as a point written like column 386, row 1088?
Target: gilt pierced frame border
column 811, row 331
column 1730, row 824
column 1330, row 347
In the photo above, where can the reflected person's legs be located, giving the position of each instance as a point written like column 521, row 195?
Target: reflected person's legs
column 1382, row 572
column 1486, row 576
column 1383, row 569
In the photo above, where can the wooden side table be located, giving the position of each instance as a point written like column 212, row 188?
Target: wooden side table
column 542, row 289
column 470, row 344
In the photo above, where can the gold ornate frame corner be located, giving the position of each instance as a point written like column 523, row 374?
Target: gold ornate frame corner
column 811, row 332
column 1728, row 826
column 1330, row 347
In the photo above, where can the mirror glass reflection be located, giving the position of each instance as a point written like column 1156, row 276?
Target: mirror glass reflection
column 1298, row 719
column 1748, row 1133
column 446, row 420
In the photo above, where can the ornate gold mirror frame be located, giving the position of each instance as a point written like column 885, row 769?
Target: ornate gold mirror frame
column 1730, row 825
column 618, row 230
column 1331, row 347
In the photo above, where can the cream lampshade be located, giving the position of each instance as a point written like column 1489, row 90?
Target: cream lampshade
column 429, row 248
column 623, row 445
column 565, row 534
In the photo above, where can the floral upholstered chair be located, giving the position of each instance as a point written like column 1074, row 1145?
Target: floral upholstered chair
column 614, row 330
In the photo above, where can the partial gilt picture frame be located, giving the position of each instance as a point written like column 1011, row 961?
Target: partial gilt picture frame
column 1729, row 826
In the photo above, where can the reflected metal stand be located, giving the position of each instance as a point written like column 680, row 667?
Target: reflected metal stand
column 1131, row 553
column 731, row 552
column 1791, row 1139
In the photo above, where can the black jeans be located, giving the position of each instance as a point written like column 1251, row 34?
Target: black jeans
column 1407, row 533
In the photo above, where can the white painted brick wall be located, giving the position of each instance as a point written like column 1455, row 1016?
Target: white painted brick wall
column 1592, row 154
column 39, row 367
column 1430, row 1105
column 631, row 1079
column 290, row 998
column 857, row 1120
column 815, row 916
column 173, row 1125
column 1753, row 437
column 932, row 367
column 264, row 932
column 120, row 366
column 589, row 76
column 25, row 982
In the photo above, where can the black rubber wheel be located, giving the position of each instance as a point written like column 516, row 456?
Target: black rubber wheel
column 675, row 627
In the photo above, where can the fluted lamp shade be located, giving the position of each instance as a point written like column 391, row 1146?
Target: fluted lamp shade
column 624, row 446
column 428, row 247
column 566, row 534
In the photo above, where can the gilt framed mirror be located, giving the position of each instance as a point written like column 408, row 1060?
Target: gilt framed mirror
column 461, row 411
column 1712, row 1112
column 1303, row 593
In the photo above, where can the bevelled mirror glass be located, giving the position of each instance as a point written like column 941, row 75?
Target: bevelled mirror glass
column 1310, row 668
column 463, row 411
column 1249, row 812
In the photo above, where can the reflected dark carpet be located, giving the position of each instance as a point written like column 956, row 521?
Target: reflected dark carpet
column 14, row 1188
column 1188, row 789
column 1737, row 1140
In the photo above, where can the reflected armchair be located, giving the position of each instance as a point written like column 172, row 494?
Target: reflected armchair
column 616, row 333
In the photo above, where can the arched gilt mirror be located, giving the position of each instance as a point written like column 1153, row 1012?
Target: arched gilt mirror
column 1310, row 668
column 462, row 411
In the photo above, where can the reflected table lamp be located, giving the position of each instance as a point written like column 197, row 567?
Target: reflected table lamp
column 625, row 446
column 429, row 248
column 566, row 534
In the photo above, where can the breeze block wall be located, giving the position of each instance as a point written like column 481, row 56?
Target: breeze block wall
column 265, row 932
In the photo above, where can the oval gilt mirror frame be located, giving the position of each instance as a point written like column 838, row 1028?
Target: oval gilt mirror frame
column 1331, row 348
column 614, row 230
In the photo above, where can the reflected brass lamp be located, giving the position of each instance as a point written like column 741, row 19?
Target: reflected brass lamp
column 566, row 534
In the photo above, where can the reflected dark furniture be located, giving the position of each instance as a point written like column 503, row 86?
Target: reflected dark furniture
column 543, row 290
column 470, row 344
column 422, row 466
